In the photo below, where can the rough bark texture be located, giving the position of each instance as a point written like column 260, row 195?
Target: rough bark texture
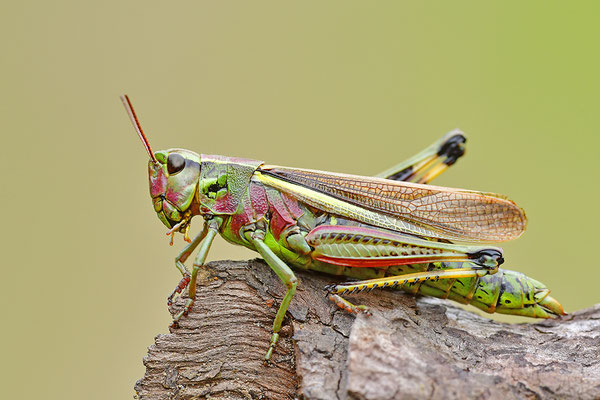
column 408, row 348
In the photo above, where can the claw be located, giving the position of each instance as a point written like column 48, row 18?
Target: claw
column 365, row 310
column 274, row 340
column 182, row 313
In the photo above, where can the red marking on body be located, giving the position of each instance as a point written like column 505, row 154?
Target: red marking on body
column 378, row 262
column 292, row 205
column 204, row 210
column 258, row 198
column 281, row 217
column 158, row 181
column 355, row 230
column 253, row 207
column 244, row 217
column 225, row 205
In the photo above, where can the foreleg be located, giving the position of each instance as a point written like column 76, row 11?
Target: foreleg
column 212, row 230
column 179, row 264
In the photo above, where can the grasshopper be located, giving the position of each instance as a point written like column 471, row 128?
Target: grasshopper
column 389, row 231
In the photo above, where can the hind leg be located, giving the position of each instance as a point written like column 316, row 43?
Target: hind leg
column 431, row 162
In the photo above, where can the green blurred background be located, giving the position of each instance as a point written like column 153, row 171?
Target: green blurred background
column 343, row 86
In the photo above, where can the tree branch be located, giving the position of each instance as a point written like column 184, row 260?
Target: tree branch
column 407, row 349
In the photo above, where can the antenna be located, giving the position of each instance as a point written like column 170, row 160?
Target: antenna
column 136, row 124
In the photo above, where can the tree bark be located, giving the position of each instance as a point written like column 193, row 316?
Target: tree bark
column 408, row 348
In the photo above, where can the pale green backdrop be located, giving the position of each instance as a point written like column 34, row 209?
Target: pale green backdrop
column 343, row 86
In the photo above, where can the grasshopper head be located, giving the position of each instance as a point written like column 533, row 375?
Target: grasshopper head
column 173, row 185
column 174, row 175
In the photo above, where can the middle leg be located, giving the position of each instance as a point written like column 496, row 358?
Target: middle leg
column 256, row 237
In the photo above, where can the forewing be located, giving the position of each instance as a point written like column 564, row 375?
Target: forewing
column 425, row 210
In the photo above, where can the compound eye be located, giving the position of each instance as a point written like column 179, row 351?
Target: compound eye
column 175, row 163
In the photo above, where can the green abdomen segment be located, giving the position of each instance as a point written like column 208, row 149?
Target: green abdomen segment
column 505, row 292
column 361, row 246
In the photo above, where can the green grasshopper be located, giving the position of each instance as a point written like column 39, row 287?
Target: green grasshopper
column 389, row 231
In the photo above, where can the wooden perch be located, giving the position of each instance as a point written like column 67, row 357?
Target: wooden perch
column 408, row 348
